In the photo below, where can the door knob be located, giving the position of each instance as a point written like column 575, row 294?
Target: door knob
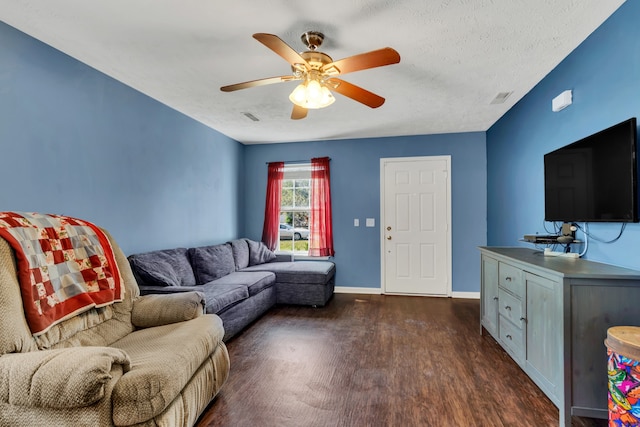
column 388, row 237
column 389, row 228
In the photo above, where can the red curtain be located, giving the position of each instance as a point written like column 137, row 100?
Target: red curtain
column 271, row 228
column 321, row 237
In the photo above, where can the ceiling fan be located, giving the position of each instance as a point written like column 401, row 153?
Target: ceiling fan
column 318, row 73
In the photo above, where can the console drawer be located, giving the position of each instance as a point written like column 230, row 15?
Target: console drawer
column 512, row 338
column 510, row 307
column 510, row 277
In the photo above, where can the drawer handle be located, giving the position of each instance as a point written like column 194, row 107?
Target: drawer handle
column 508, row 278
column 495, row 298
column 510, row 337
column 523, row 318
column 507, row 307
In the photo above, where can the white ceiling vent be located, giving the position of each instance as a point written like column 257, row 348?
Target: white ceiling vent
column 501, row 97
column 252, row 117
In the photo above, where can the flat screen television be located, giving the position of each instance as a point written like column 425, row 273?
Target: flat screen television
column 594, row 179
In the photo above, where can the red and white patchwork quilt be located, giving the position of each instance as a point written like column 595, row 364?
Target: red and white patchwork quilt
column 65, row 266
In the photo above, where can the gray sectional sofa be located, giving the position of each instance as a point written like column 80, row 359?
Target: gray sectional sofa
column 240, row 279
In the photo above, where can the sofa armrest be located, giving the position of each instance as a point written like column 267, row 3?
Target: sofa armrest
column 161, row 309
column 59, row 379
column 283, row 257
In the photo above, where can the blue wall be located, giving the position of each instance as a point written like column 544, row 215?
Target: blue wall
column 604, row 74
column 76, row 142
column 355, row 186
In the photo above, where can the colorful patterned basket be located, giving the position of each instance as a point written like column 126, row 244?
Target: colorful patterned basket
column 623, row 366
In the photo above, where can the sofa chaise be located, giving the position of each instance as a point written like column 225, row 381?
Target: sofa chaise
column 240, row 279
column 143, row 361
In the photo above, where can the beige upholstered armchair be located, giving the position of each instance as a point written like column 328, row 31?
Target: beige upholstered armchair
column 144, row 361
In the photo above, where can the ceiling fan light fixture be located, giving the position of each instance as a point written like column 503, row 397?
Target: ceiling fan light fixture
column 318, row 72
column 312, row 95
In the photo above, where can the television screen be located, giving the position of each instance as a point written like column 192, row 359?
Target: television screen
column 594, row 179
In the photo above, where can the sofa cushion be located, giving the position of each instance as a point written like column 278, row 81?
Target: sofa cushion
column 259, row 253
column 255, row 281
column 169, row 267
column 240, row 249
column 211, row 262
column 220, row 296
column 161, row 366
column 303, row 272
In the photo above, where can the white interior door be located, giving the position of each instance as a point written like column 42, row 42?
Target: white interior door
column 415, row 231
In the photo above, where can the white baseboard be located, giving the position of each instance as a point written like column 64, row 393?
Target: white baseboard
column 349, row 290
column 469, row 295
column 378, row 291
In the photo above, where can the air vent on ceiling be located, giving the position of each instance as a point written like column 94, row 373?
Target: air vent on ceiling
column 252, row 117
column 501, row 97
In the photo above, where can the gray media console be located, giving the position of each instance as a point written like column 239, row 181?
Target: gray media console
column 551, row 315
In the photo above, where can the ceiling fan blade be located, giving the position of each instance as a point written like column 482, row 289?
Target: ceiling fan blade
column 260, row 82
column 276, row 44
column 298, row 112
column 363, row 61
column 356, row 93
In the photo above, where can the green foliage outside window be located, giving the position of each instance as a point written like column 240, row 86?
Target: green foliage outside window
column 295, row 202
column 299, row 245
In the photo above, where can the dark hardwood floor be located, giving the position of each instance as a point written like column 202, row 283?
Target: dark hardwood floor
column 372, row 360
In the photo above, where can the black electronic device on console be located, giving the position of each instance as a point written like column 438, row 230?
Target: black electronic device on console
column 541, row 238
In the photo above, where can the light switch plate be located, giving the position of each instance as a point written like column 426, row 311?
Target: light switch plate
column 371, row 222
column 356, row 222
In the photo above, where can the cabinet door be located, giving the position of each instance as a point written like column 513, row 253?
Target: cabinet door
column 489, row 291
column 544, row 333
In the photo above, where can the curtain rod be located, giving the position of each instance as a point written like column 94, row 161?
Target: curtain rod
column 293, row 162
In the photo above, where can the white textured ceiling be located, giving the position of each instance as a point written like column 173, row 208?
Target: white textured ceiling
column 456, row 56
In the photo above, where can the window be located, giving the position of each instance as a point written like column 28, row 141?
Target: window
column 295, row 209
column 297, row 213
